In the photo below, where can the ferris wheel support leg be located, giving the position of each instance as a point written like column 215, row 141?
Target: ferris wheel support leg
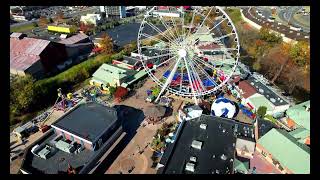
column 169, row 79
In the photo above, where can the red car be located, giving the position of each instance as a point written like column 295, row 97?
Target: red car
column 44, row 128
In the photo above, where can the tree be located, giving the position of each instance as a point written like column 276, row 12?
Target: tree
column 256, row 66
column 278, row 58
column 43, row 21
column 128, row 48
column 268, row 36
column 262, row 110
column 120, row 93
column 300, row 54
column 106, row 44
column 111, row 90
column 86, row 28
column 21, row 94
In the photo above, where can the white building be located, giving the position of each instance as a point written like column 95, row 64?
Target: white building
column 190, row 113
column 91, row 19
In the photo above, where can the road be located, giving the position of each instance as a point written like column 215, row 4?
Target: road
column 284, row 14
column 70, row 15
column 287, row 13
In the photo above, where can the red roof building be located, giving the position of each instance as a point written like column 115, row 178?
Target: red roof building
column 34, row 56
column 247, row 89
column 210, row 46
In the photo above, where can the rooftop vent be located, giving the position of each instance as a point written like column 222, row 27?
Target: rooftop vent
column 203, row 126
column 196, row 144
column 193, row 159
column 261, row 90
column 223, row 157
column 190, row 167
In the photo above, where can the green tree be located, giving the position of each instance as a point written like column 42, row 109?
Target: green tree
column 21, row 94
column 262, row 110
column 268, row 36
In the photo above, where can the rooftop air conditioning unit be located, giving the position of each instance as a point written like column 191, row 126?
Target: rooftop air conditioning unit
column 190, row 167
column 203, row 126
column 193, row 159
column 196, row 144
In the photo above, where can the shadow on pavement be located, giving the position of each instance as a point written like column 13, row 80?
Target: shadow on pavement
column 131, row 119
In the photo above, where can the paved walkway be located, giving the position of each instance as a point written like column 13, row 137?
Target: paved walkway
column 130, row 158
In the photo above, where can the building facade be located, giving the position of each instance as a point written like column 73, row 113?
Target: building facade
column 114, row 12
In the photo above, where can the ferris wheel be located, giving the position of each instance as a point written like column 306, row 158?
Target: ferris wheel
column 188, row 52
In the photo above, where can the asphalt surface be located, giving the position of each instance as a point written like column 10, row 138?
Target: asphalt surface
column 251, row 14
column 284, row 14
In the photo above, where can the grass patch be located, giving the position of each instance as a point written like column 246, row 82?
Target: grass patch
column 234, row 14
column 23, row 28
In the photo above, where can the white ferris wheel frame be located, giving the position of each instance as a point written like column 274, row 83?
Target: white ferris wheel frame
column 166, row 86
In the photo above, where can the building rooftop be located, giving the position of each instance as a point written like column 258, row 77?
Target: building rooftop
column 241, row 165
column 267, row 92
column 248, row 90
column 210, row 46
column 264, row 126
column 300, row 115
column 300, row 133
column 130, row 60
column 57, row 162
column 74, row 39
column 87, row 121
column 108, row 73
column 217, row 150
column 287, row 151
column 259, row 100
column 25, row 51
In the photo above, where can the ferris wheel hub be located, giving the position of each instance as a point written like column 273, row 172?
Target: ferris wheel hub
column 182, row 53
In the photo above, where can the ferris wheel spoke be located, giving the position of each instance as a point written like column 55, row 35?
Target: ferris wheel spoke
column 161, row 32
column 167, row 27
column 157, row 48
column 198, row 82
column 191, row 24
column 169, row 79
column 204, row 63
column 190, row 80
column 181, row 79
column 203, row 20
column 154, row 38
column 158, row 56
column 223, row 19
column 166, row 61
column 205, row 73
column 222, row 37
